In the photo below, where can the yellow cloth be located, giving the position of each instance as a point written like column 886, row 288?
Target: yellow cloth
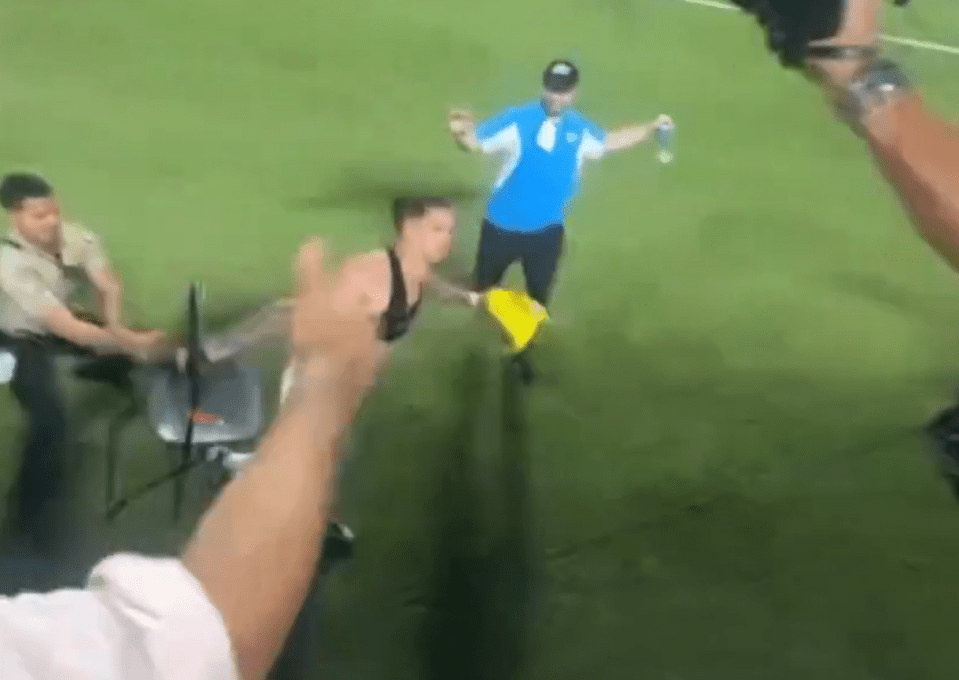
column 519, row 315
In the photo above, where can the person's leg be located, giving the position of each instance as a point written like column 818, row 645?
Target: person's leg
column 496, row 251
column 542, row 253
column 339, row 540
column 39, row 492
column 541, row 256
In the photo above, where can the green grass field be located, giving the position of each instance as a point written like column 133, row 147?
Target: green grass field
column 720, row 476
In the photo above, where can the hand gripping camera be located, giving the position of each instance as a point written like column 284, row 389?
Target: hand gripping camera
column 791, row 25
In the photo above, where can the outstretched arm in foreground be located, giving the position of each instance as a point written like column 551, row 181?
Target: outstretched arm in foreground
column 836, row 43
column 256, row 549
column 916, row 151
column 918, row 154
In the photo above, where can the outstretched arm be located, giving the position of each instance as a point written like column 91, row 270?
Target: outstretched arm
column 448, row 291
column 628, row 136
column 918, row 154
column 496, row 135
column 272, row 322
column 836, row 44
column 267, row 324
column 256, row 549
column 916, row 151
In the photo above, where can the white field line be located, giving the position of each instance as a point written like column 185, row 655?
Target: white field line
column 919, row 44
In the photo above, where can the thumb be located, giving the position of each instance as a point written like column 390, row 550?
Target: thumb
column 309, row 272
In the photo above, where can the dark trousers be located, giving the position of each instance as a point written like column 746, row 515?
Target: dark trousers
column 539, row 253
column 36, row 508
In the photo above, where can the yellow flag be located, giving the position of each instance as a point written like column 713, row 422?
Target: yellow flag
column 519, row 315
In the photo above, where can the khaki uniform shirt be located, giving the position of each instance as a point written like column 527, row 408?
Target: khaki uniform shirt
column 32, row 281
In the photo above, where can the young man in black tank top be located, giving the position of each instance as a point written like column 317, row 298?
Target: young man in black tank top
column 386, row 285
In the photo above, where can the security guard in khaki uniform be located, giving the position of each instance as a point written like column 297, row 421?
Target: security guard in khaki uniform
column 42, row 262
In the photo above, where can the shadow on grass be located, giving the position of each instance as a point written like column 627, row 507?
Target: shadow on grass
column 896, row 298
column 363, row 187
column 478, row 608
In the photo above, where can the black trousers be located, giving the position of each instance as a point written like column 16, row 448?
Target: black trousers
column 539, row 253
column 36, row 509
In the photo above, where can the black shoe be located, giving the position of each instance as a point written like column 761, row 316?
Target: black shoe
column 524, row 368
column 338, row 544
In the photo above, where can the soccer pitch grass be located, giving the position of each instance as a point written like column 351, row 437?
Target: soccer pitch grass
column 720, row 475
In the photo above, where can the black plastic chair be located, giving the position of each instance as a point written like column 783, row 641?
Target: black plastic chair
column 209, row 406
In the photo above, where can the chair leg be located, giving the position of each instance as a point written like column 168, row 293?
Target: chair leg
column 179, row 483
column 113, row 454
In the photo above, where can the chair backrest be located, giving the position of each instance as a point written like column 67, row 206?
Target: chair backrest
column 194, row 324
column 211, row 403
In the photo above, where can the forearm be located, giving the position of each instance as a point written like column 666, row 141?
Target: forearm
column 919, row 156
column 62, row 323
column 448, row 291
column 629, row 136
column 256, row 549
column 269, row 323
column 111, row 304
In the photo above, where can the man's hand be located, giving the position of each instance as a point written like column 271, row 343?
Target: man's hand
column 141, row 345
column 461, row 122
column 448, row 291
column 916, row 151
column 793, row 26
column 322, row 323
column 463, row 126
column 333, row 337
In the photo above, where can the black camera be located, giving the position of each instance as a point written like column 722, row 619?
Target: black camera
column 790, row 25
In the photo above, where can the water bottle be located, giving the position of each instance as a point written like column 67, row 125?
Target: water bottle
column 664, row 135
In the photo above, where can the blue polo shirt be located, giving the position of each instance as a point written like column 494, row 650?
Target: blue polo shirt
column 542, row 162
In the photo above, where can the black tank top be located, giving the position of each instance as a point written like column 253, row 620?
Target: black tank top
column 399, row 314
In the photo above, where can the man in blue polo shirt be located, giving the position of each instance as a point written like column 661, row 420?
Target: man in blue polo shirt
column 543, row 144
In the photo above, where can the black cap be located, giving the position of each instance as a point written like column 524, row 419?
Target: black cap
column 560, row 75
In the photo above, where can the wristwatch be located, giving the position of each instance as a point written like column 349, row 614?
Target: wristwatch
column 879, row 82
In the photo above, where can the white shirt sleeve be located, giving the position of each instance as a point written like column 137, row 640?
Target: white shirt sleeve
column 12, row 663
column 138, row 619
column 591, row 147
column 506, row 141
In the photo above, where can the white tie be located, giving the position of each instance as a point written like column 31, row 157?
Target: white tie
column 547, row 135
